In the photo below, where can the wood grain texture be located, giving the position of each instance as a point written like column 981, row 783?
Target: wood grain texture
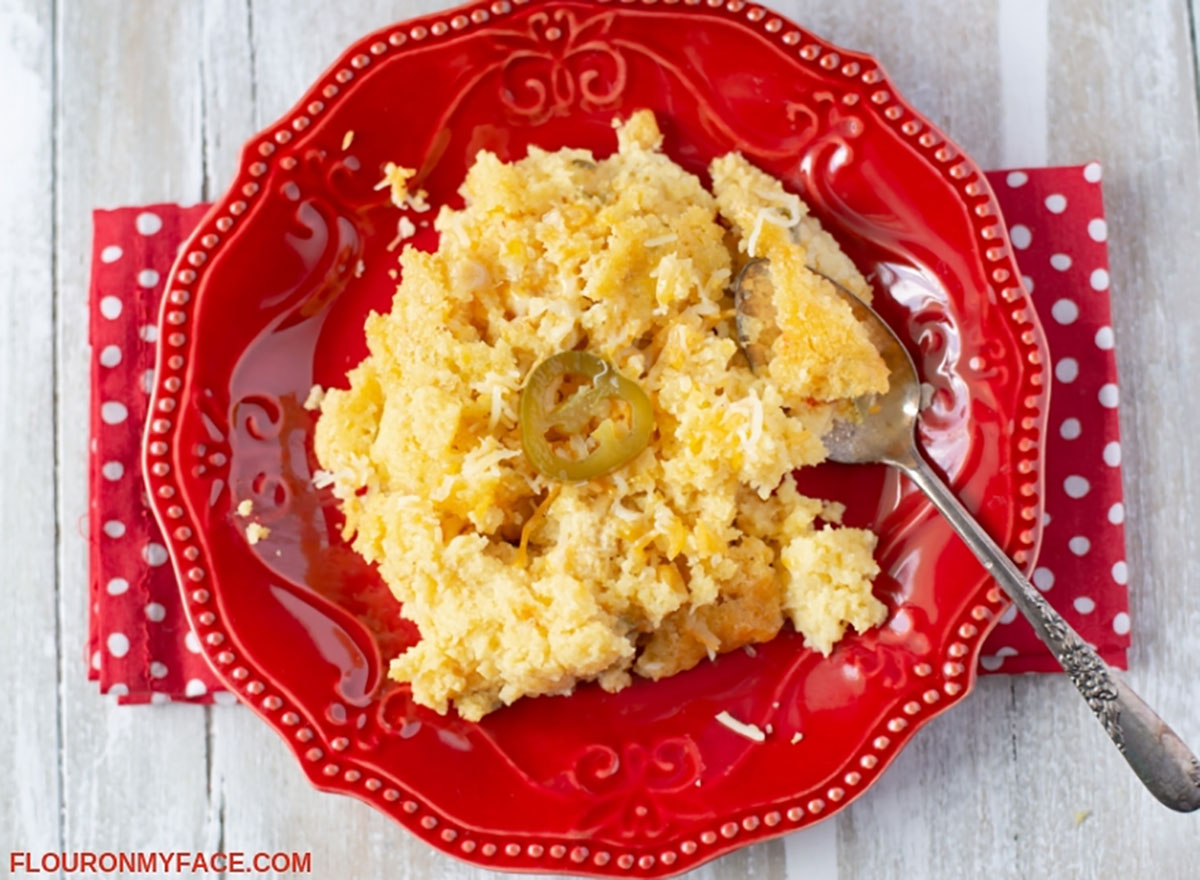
column 127, row 123
column 29, row 738
column 143, row 101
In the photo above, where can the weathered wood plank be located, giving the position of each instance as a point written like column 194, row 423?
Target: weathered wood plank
column 1122, row 89
column 29, row 811
column 128, row 112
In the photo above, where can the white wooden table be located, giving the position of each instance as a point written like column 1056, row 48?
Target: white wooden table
column 122, row 102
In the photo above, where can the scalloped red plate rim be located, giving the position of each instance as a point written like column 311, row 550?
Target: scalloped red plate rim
column 731, row 832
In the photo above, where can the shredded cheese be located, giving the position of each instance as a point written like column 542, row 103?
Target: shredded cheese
column 480, row 461
column 535, row 517
column 419, row 202
column 659, row 241
column 497, row 407
column 347, row 140
column 245, row 507
column 396, row 177
column 751, row 409
column 741, row 728
column 789, row 202
column 323, row 479
column 752, row 241
column 256, row 532
column 717, row 280
column 620, row 511
column 796, row 737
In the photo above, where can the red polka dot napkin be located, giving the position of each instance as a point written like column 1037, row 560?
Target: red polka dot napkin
column 139, row 644
column 1056, row 222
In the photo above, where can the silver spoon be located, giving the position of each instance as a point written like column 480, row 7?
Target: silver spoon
column 886, row 433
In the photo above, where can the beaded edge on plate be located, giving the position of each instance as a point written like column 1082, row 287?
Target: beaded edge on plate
column 950, row 681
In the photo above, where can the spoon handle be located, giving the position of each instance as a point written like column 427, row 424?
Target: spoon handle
column 1157, row 755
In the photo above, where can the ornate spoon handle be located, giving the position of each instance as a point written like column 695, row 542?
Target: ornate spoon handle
column 1157, row 755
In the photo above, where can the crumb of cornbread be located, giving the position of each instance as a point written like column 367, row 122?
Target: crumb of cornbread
column 245, row 507
column 315, row 395
column 404, row 230
column 702, row 543
column 395, row 180
column 256, row 532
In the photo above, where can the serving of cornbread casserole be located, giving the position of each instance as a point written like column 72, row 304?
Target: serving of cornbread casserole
column 558, row 454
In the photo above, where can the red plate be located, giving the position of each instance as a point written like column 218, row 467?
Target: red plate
column 266, row 300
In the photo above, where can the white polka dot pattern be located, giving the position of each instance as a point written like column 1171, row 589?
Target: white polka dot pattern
column 1076, row 486
column 110, row 307
column 1066, row 370
column 118, row 644
column 110, row 356
column 154, row 553
column 113, row 412
column 147, row 223
column 1065, row 311
column 136, row 637
column 1059, row 234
